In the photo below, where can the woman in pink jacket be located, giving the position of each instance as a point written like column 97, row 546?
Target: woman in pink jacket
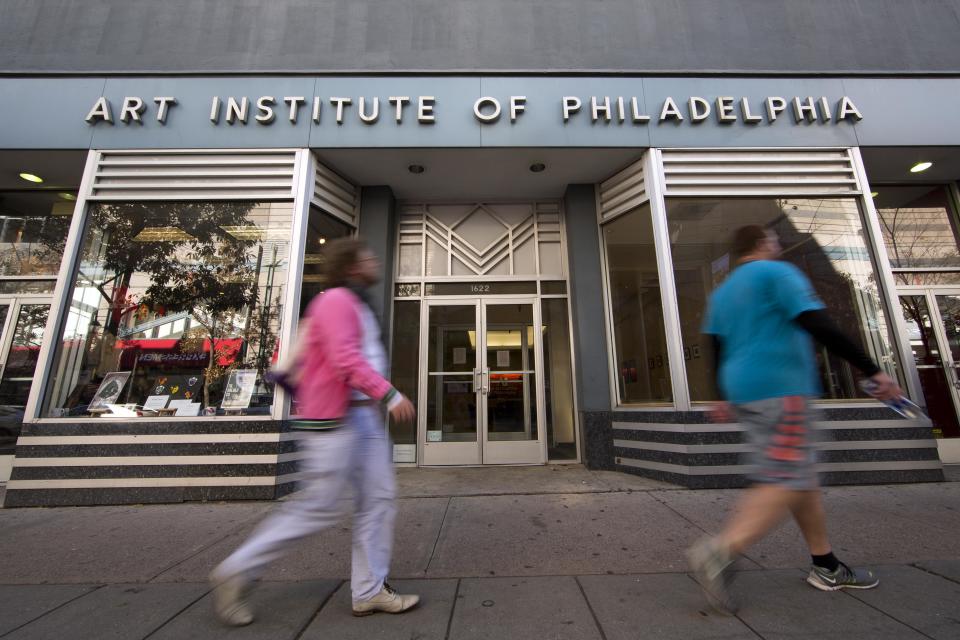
column 338, row 380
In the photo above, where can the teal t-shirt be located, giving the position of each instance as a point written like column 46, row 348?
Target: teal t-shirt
column 764, row 353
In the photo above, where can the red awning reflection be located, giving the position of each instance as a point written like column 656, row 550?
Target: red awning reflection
column 159, row 351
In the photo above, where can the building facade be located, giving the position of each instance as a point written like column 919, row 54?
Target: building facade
column 551, row 193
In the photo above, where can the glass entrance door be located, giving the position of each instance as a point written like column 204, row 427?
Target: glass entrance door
column 480, row 393
column 23, row 322
column 933, row 322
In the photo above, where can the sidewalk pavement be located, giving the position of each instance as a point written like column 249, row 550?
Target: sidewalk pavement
column 534, row 552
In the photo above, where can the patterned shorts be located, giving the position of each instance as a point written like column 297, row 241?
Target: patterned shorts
column 783, row 441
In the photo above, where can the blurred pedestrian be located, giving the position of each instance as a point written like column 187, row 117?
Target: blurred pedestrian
column 338, row 379
column 761, row 319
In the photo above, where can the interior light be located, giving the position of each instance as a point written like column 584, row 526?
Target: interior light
column 537, row 167
column 917, row 168
column 30, row 177
column 67, row 196
column 323, row 240
column 162, row 234
column 416, row 168
column 874, row 194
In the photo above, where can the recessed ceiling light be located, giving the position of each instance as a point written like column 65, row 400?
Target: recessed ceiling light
column 67, row 196
column 416, row 168
column 874, row 194
column 917, row 168
column 537, row 167
column 323, row 241
column 29, row 177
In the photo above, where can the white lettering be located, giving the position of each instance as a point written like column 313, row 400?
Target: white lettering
column 425, row 109
column 317, row 103
column 806, row 110
column 237, row 111
column 725, row 109
column 774, row 107
column 486, row 101
column 518, row 104
column 847, row 109
column 215, row 109
column 635, row 111
column 101, row 110
column 571, row 104
column 825, row 109
column 621, row 113
column 265, row 107
column 670, row 110
column 294, row 102
column 131, row 110
column 699, row 109
column 162, row 104
column 371, row 117
column 398, row 101
column 595, row 108
column 748, row 116
column 339, row 102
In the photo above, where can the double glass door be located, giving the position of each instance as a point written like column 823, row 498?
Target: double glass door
column 933, row 324
column 480, row 389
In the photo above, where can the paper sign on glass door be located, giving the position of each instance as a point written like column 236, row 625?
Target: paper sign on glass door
column 503, row 359
column 459, row 355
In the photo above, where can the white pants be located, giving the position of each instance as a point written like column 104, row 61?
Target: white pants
column 357, row 454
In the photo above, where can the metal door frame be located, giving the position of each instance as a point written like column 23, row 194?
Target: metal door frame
column 930, row 293
column 483, row 451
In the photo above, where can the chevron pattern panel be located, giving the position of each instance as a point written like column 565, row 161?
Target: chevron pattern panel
column 483, row 239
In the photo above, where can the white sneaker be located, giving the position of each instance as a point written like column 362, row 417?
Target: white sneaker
column 388, row 600
column 229, row 600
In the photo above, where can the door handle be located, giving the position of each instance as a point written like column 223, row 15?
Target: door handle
column 485, row 386
column 476, row 380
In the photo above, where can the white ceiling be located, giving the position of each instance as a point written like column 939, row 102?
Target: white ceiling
column 477, row 174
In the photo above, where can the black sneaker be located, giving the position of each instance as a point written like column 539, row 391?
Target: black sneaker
column 711, row 565
column 843, row 578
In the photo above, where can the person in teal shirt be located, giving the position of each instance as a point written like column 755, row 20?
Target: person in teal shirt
column 762, row 320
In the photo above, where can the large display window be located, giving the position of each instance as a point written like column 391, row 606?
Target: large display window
column 174, row 308
column 824, row 237
column 640, row 346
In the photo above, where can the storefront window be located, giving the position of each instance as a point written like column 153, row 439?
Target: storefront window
column 919, row 231
column 822, row 237
column 174, row 309
column 33, row 231
column 321, row 229
column 642, row 368
column 405, row 364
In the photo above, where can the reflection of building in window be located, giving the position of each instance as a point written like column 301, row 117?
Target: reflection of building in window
column 823, row 237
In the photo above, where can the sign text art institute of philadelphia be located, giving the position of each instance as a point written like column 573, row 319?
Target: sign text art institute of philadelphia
column 264, row 110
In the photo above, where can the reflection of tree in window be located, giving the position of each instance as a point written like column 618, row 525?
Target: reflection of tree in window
column 202, row 274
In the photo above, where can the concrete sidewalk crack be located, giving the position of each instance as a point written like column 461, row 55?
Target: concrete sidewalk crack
column 443, row 522
column 885, row 614
column 59, row 606
column 456, row 596
column 319, row 609
column 593, row 614
column 177, row 614
column 933, row 573
column 212, row 544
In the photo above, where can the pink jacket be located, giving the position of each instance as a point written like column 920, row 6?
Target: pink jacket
column 332, row 361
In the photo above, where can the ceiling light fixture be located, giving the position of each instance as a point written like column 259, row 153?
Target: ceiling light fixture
column 917, row 168
column 537, row 167
column 30, row 177
column 323, row 240
column 874, row 194
column 67, row 196
column 416, row 168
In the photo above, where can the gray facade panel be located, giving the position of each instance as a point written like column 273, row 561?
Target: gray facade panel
column 49, row 113
column 589, row 337
column 436, row 35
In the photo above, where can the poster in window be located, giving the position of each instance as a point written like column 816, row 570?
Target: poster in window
column 239, row 389
column 109, row 390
